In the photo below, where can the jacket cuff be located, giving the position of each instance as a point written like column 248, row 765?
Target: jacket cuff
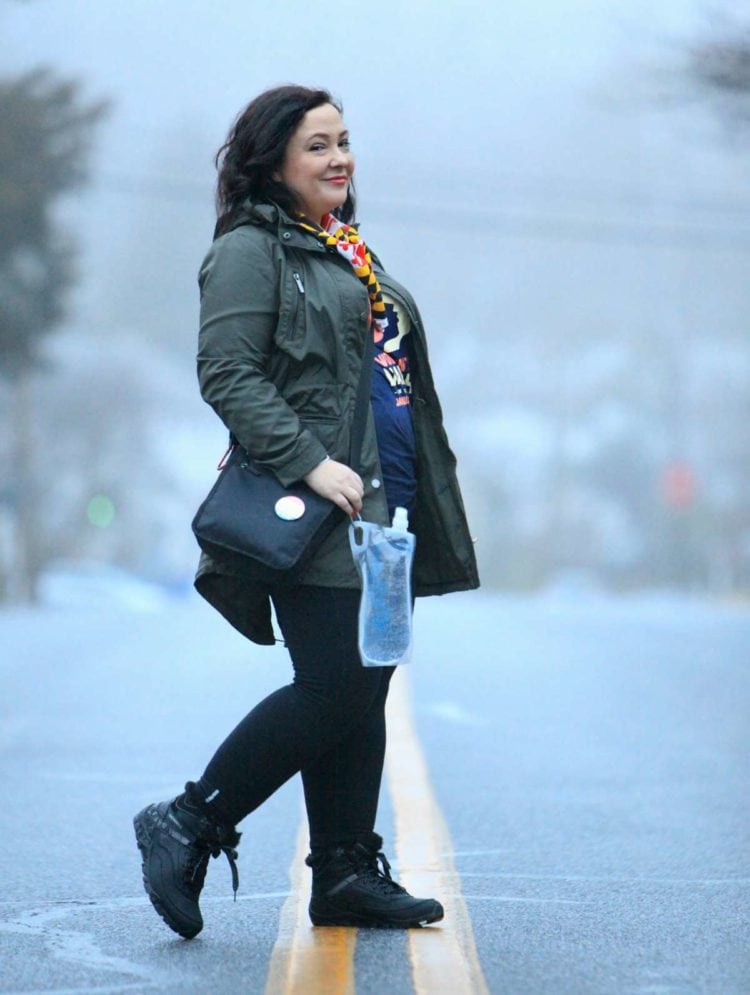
column 309, row 452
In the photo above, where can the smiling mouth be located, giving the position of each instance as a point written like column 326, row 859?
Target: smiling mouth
column 338, row 179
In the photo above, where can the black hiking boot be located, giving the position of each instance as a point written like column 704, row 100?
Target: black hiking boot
column 176, row 839
column 350, row 889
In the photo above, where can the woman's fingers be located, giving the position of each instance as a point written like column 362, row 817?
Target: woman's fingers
column 339, row 483
column 353, row 498
column 349, row 500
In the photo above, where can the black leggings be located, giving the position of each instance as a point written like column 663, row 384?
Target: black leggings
column 329, row 723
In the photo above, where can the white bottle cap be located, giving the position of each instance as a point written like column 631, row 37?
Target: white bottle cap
column 401, row 519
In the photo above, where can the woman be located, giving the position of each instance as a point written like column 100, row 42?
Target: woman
column 291, row 302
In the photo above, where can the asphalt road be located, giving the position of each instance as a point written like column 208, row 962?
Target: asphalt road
column 591, row 760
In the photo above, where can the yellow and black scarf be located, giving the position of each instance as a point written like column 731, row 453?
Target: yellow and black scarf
column 346, row 240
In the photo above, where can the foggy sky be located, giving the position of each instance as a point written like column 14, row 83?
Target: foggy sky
column 516, row 168
column 495, row 104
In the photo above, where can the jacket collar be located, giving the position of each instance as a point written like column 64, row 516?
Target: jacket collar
column 275, row 219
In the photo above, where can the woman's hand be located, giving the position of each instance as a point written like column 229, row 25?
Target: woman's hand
column 339, row 483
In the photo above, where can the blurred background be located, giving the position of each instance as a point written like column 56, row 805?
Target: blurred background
column 562, row 185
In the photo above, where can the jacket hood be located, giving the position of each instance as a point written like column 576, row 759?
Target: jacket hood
column 272, row 217
column 266, row 215
column 277, row 222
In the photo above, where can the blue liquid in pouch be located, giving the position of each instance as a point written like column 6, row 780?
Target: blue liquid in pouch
column 383, row 557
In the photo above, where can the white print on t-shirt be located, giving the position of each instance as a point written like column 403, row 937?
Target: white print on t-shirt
column 394, row 359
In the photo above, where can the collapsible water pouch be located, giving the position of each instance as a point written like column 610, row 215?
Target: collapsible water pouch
column 383, row 557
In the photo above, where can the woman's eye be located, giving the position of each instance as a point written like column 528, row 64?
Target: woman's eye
column 345, row 144
column 317, row 147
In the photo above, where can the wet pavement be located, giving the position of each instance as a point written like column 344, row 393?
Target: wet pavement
column 590, row 758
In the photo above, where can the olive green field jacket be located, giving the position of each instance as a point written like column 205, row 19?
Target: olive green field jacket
column 284, row 326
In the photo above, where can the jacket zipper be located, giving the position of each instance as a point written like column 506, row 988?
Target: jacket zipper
column 298, row 281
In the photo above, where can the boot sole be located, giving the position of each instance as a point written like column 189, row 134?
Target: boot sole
column 364, row 922
column 143, row 839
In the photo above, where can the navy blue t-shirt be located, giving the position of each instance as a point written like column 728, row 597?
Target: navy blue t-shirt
column 391, row 407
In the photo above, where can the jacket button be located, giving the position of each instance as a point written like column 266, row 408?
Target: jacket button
column 375, row 482
column 287, row 235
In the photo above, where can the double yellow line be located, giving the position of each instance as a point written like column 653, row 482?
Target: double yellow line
column 443, row 957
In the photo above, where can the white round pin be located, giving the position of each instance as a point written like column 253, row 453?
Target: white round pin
column 290, row 508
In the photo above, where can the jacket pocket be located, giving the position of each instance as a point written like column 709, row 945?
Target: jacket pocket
column 291, row 329
column 328, row 429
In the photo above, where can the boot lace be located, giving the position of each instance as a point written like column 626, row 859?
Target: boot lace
column 366, row 862
column 197, row 862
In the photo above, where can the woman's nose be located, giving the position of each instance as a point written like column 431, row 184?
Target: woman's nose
column 340, row 157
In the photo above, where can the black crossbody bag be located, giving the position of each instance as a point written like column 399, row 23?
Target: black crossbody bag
column 266, row 532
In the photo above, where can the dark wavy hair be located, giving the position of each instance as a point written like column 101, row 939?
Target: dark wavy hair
column 255, row 149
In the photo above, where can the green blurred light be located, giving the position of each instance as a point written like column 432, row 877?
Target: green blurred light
column 100, row 511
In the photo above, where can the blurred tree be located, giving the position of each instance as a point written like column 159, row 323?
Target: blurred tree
column 719, row 64
column 724, row 64
column 45, row 136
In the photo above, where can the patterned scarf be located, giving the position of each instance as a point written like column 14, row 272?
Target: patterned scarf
column 346, row 240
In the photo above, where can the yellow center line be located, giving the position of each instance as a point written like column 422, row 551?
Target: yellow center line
column 444, row 956
column 307, row 960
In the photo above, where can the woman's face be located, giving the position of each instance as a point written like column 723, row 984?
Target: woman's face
column 317, row 164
